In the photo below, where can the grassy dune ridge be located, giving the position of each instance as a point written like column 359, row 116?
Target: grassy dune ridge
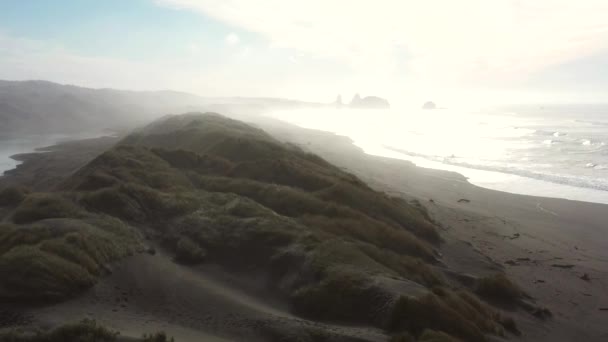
column 212, row 189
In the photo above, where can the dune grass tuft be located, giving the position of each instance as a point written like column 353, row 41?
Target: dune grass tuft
column 188, row 251
column 86, row 330
column 402, row 337
column 356, row 302
column 56, row 258
column 500, row 289
column 40, row 206
column 157, row 337
column 437, row 336
column 12, row 195
column 457, row 313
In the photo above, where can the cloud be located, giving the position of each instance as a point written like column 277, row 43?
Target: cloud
column 26, row 59
column 232, row 39
column 476, row 41
column 238, row 75
column 194, row 48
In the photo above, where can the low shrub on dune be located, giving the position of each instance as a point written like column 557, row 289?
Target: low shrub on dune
column 86, row 330
column 56, row 258
column 139, row 203
column 458, row 314
column 340, row 296
column 402, row 337
column 437, row 336
column 189, row 252
column 157, row 337
column 32, row 274
column 12, row 195
column 40, row 206
column 500, row 289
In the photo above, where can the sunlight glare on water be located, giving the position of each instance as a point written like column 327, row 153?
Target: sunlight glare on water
column 502, row 150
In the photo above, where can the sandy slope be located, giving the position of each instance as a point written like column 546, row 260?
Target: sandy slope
column 150, row 293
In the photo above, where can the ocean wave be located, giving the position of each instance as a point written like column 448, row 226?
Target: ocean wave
column 599, row 183
column 596, row 151
column 543, row 132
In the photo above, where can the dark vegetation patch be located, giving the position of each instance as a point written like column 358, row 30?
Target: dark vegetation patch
column 138, row 203
column 12, row 196
column 457, row 313
column 498, row 288
column 402, row 337
column 188, row 252
column 38, row 206
column 341, row 296
column 437, row 336
column 157, row 337
column 56, row 258
column 84, row 331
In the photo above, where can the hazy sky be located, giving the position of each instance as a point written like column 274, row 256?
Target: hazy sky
column 503, row 50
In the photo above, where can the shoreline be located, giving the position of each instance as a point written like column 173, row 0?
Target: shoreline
column 500, row 181
column 25, row 146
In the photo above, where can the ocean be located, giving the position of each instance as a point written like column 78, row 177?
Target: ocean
column 11, row 145
column 551, row 151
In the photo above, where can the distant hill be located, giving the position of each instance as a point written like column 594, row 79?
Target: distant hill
column 41, row 107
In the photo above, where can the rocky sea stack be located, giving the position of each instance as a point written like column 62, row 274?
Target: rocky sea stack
column 369, row 102
column 429, row 105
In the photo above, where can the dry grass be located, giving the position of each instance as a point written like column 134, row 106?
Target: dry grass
column 458, row 314
column 56, row 258
column 500, row 289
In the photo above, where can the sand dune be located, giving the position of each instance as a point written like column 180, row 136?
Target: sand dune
column 148, row 293
column 554, row 249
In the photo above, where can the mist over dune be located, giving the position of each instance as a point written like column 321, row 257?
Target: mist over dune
column 41, row 107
